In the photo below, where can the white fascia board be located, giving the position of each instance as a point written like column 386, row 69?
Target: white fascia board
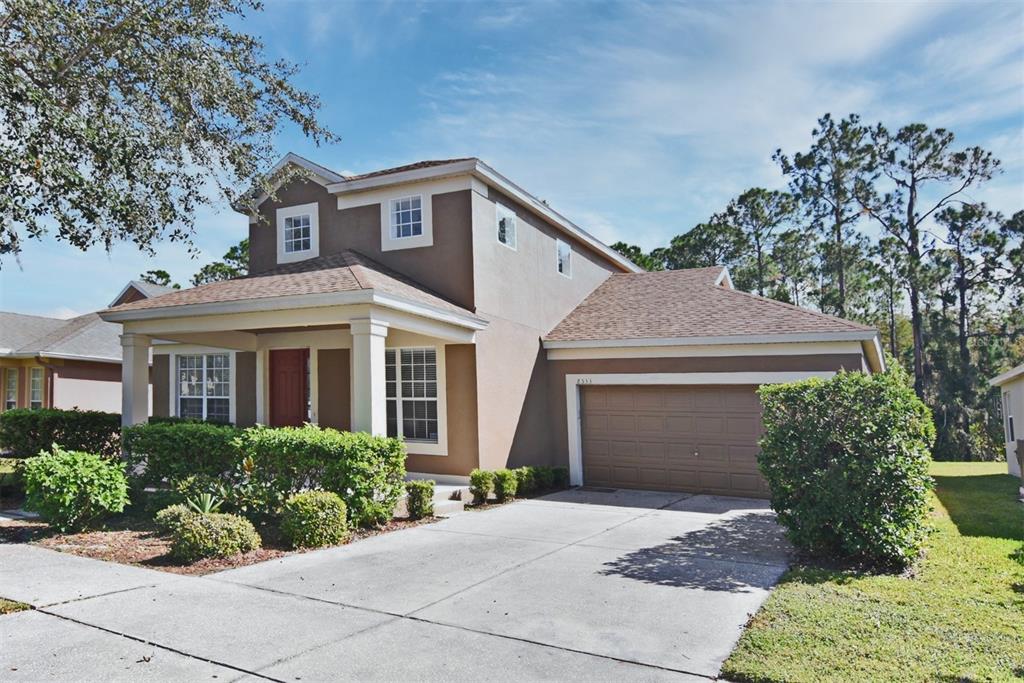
column 1007, row 376
column 853, row 335
column 488, row 175
column 364, row 296
column 321, row 175
column 873, row 351
column 121, row 293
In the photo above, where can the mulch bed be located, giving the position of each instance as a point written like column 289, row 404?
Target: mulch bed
column 136, row 542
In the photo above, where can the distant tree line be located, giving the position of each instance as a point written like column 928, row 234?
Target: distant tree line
column 235, row 263
column 880, row 227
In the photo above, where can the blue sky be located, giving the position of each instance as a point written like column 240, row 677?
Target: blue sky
column 637, row 120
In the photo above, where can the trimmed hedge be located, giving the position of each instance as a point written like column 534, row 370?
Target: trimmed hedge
column 481, row 484
column 72, row 490
column 314, row 519
column 419, row 498
column 26, row 433
column 199, row 536
column 526, row 482
column 847, row 463
column 505, row 484
column 368, row 472
column 171, row 451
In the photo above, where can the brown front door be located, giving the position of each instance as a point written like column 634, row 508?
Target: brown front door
column 288, row 388
column 677, row 438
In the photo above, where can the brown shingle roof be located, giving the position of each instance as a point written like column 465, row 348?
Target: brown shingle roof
column 408, row 167
column 346, row 271
column 685, row 303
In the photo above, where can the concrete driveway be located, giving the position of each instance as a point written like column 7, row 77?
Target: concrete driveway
column 582, row 584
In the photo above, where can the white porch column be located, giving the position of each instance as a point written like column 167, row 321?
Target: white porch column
column 369, row 406
column 134, row 378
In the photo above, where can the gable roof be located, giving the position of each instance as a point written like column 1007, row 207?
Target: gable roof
column 689, row 305
column 1008, row 376
column 147, row 289
column 86, row 337
column 439, row 168
column 345, row 271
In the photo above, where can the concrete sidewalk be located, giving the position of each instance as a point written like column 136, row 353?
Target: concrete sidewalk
column 624, row 586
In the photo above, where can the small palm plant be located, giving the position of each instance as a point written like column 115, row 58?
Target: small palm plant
column 205, row 503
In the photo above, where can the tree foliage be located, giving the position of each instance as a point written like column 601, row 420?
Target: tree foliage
column 122, row 117
column 879, row 227
column 235, row 264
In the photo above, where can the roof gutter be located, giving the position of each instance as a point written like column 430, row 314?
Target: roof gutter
column 865, row 336
column 488, row 175
column 1008, row 376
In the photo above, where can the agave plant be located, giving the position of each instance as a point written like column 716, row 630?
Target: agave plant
column 205, row 503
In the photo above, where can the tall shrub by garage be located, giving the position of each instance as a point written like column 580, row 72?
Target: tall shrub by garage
column 26, row 433
column 847, row 461
column 172, row 451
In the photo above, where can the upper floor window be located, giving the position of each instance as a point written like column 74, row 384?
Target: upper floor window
column 506, row 226
column 406, row 217
column 10, row 388
column 204, row 386
column 563, row 258
column 297, row 234
column 35, row 388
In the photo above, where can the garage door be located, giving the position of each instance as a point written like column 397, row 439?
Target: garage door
column 678, row 438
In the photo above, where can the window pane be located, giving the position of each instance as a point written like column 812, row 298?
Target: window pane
column 392, row 429
column 218, row 410
column 191, row 407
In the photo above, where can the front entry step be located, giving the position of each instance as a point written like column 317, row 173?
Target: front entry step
column 449, row 499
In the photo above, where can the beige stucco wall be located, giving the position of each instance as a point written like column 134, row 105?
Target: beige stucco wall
column 1015, row 389
column 87, row 386
column 522, row 296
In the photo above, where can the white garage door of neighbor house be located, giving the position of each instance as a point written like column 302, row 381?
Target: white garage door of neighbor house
column 676, row 438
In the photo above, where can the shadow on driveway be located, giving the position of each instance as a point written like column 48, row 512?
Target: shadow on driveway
column 737, row 555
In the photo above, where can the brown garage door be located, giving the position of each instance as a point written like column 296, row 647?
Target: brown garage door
column 679, row 438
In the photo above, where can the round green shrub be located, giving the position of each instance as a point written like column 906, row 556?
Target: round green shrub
column 313, row 519
column 481, row 483
column 560, row 477
column 199, row 536
column 847, row 460
column 505, row 483
column 72, row 490
column 170, row 518
column 419, row 500
column 544, row 476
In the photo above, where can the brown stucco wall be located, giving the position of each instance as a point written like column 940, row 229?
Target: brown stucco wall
column 359, row 228
column 557, row 370
column 334, row 389
column 161, row 378
column 130, row 295
column 461, row 397
column 245, row 388
column 89, row 370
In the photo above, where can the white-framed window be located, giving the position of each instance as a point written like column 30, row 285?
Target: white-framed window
column 406, row 217
column 10, row 388
column 204, row 386
column 298, row 232
column 1008, row 418
column 412, row 394
column 563, row 258
column 35, row 388
column 506, row 226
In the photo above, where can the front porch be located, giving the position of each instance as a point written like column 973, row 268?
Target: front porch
column 346, row 345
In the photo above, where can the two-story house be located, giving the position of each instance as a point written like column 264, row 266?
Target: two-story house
column 443, row 303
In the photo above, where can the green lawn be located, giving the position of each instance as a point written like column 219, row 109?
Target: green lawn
column 959, row 618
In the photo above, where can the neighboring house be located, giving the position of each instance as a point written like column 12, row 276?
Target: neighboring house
column 1011, row 386
column 58, row 363
column 441, row 302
